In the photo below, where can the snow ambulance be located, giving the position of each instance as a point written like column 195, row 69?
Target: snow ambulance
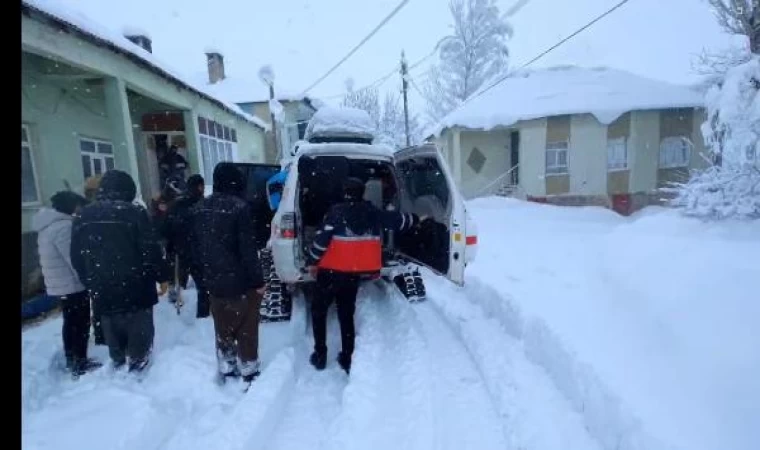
column 339, row 143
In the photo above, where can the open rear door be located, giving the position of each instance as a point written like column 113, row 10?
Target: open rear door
column 256, row 177
column 428, row 189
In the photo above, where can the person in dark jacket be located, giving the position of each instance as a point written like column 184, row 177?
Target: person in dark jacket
column 53, row 227
column 115, row 251
column 346, row 249
column 172, row 165
column 159, row 213
column 178, row 227
column 224, row 246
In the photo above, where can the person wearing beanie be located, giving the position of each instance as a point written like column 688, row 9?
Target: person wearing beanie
column 224, row 246
column 115, row 250
column 347, row 249
column 53, row 227
column 177, row 234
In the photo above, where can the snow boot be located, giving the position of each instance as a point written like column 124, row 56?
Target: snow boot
column 318, row 360
column 344, row 360
column 222, row 378
column 83, row 366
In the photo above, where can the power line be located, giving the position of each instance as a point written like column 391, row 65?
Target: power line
column 545, row 52
column 359, row 45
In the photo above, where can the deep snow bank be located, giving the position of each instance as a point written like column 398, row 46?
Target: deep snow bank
column 646, row 322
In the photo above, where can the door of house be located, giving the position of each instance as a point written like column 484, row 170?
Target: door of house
column 156, row 145
column 514, row 155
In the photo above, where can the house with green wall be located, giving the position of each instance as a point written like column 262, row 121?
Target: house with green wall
column 93, row 100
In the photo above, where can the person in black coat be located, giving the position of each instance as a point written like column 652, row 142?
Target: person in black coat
column 116, row 253
column 172, row 166
column 177, row 232
column 224, row 246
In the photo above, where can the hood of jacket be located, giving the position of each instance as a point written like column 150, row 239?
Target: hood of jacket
column 228, row 179
column 46, row 217
column 117, row 185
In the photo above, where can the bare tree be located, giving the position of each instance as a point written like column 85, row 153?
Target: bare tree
column 388, row 117
column 475, row 52
column 740, row 17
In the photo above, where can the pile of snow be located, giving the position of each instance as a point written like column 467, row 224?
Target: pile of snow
column 732, row 131
column 243, row 90
column 606, row 93
column 65, row 13
column 647, row 324
column 341, row 122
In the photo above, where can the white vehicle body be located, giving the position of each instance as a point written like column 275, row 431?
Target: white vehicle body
column 456, row 247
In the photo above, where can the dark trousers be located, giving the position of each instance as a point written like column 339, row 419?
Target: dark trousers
column 341, row 288
column 76, row 326
column 204, row 304
column 129, row 335
column 236, row 325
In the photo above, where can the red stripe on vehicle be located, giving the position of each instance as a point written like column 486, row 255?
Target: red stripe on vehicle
column 472, row 240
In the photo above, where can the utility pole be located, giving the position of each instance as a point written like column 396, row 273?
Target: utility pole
column 274, row 122
column 405, row 85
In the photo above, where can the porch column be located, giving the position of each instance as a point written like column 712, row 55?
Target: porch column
column 117, row 109
column 457, row 157
column 192, row 141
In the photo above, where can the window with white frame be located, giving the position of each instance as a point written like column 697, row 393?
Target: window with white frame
column 556, row 157
column 29, row 193
column 617, row 154
column 97, row 156
column 674, row 152
column 218, row 144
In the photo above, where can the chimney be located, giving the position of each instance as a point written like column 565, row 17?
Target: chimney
column 142, row 40
column 215, row 67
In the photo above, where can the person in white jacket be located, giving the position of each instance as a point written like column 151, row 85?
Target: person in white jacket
column 53, row 227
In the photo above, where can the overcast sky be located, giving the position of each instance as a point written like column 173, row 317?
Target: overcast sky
column 302, row 39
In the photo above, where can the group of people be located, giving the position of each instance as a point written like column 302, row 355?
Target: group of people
column 108, row 253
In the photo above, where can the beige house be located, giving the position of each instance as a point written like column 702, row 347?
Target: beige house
column 252, row 96
column 575, row 136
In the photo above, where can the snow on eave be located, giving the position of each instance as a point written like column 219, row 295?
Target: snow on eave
column 123, row 46
column 605, row 93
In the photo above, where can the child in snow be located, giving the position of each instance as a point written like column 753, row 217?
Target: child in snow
column 53, row 227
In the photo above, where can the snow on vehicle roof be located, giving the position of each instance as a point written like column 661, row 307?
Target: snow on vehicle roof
column 341, row 122
column 604, row 92
column 67, row 16
column 346, row 148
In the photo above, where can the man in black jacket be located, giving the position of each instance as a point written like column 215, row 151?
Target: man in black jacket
column 115, row 251
column 224, row 246
column 177, row 233
column 346, row 249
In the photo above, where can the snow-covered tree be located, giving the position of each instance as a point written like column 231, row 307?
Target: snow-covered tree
column 741, row 17
column 388, row 116
column 738, row 17
column 475, row 52
column 731, row 187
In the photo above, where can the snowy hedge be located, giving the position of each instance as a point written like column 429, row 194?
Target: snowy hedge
column 731, row 188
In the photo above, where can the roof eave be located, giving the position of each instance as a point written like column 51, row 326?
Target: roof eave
column 29, row 10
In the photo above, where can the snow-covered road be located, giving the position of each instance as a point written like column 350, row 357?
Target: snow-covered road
column 555, row 342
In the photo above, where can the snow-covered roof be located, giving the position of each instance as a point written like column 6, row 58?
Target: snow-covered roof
column 65, row 15
column 341, row 122
column 242, row 90
column 606, row 93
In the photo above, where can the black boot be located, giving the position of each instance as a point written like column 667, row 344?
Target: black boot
column 318, row 360
column 344, row 359
column 83, row 366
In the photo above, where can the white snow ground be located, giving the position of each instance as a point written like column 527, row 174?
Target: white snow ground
column 577, row 329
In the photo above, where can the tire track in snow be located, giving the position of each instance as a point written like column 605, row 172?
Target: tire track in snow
column 465, row 414
column 534, row 413
column 387, row 403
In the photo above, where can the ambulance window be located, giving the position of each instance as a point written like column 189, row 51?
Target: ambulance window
column 424, row 177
